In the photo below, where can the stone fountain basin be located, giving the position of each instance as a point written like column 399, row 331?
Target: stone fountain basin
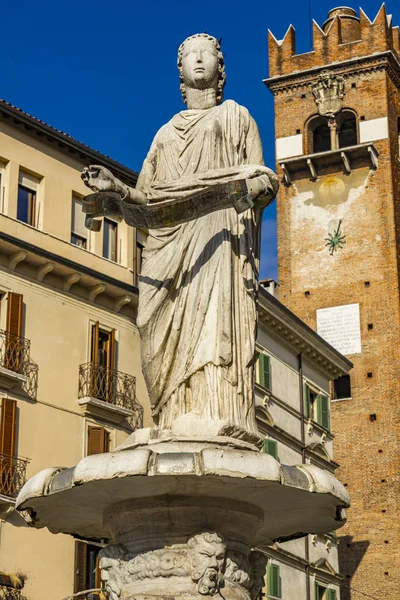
column 288, row 501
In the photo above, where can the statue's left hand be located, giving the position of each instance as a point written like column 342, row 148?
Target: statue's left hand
column 262, row 189
column 99, row 179
column 255, row 187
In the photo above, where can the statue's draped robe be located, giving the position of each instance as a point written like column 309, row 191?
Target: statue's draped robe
column 197, row 309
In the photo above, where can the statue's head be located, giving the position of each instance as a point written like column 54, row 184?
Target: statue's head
column 201, row 64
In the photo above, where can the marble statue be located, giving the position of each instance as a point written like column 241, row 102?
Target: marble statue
column 198, row 285
column 187, row 509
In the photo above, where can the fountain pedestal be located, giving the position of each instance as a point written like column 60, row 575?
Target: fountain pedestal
column 183, row 518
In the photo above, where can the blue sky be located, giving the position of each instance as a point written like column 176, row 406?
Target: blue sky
column 105, row 72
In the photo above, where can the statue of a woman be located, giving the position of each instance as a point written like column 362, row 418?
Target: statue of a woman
column 197, row 292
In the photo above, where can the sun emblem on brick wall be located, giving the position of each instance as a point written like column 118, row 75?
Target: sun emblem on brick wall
column 335, row 240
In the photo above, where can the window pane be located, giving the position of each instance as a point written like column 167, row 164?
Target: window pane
column 78, row 228
column 348, row 131
column 322, row 138
column 110, row 240
column 342, row 387
column 78, row 241
column 26, row 205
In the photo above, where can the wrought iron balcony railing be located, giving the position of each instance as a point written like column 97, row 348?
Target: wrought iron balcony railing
column 14, row 352
column 114, row 387
column 12, row 475
column 8, row 593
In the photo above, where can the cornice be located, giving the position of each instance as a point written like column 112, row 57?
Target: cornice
column 348, row 68
column 291, row 330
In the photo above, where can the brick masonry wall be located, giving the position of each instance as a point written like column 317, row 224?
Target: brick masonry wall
column 369, row 203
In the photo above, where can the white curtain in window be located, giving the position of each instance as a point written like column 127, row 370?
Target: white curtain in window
column 78, row 218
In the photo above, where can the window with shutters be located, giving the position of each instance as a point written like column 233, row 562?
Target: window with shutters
column 79, row 233
column 103, row 376
column 87, row 572
column 14, row 350
column 28, row 186
column 322, row 592
column 316, row 406
column 12, row 468
column 271, row 447
column 274, row 582
column 110, row 240
column 264, row 371
column 98, row 440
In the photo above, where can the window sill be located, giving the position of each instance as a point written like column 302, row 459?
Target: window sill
column 10, row 379
column 341, row 399
column 93, row 407
column 331, row 161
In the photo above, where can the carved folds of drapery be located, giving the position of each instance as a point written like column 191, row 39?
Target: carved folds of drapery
column 202, row 566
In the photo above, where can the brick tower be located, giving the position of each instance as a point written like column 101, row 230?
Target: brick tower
column 337, row 120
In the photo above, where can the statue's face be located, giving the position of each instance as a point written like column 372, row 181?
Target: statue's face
column 199, row 63
column 209, row 560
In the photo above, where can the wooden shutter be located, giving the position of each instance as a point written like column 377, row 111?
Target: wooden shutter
column 330, row 594
column 8, row 426
column 98, row 440
column 271, row 447
column 323, row 410
column 94, row 353
column 307, row 401
column 80, row 567
column 273, row 581
column 264, row 363
column 14, row 313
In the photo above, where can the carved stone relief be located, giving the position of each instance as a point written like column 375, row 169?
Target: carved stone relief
column 207, row 561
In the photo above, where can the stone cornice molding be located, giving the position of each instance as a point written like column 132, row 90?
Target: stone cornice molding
column 281, row 322
column 358, row 66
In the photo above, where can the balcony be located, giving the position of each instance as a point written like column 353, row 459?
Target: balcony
column 12, row 475
column 16, row 367
column 312, row 166
column 109, row 395
column 9, row 593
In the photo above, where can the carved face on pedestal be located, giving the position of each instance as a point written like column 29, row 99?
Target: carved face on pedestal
column 207, row 552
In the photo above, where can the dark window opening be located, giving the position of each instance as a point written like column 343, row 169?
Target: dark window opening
column 342, row 387
column 26, row 205
column 87, row 572
column 321, row 138
column 347, row 127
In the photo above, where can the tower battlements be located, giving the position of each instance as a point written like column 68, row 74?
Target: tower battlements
column 343, row 36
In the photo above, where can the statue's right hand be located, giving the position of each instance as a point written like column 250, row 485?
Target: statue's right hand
column 98, row 179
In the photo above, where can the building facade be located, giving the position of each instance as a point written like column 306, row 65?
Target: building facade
column 337, row 121
column 295, row 367
column 70, row 371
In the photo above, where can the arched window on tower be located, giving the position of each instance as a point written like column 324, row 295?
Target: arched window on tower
column 319, row 132
column 347, row 128
column 319, row 135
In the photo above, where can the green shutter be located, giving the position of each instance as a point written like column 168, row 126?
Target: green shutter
column 273, row 581
column 271, row 447
column 264, row 365
column 317, row 588
column 307, row 401
column 323, row 410
column 331, row 595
